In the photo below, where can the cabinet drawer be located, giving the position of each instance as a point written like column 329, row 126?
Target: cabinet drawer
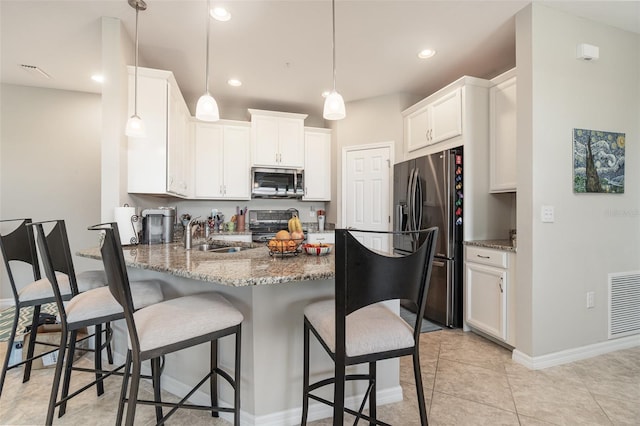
column 487, row 256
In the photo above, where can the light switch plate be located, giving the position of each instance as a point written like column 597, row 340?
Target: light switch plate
column 547, row 214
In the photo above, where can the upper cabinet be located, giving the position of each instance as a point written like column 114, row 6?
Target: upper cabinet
column 435, row 119
column 317, row 164
column 502, row 133
column 222, row 160
column 277, row 139
column 159, row 163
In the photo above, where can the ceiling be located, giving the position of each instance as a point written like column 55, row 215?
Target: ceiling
column 281, row 50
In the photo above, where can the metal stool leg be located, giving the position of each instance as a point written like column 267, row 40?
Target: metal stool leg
column 237, row 378
column 155, row 373
column 32, row 341
column 55, row 386
column 372, row 394
column 213, row 381
column 133, row 391
column 123, row 389
column 419, row 390
column 305, row 377
column 73, row 337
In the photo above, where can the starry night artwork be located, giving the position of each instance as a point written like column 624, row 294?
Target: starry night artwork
column 598, row 161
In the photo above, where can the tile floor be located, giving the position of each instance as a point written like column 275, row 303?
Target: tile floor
column 467, row 379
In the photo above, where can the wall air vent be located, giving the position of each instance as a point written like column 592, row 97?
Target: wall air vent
column 624, row 304
column 32, row 69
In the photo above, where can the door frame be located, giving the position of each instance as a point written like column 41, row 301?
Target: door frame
column 343, row 189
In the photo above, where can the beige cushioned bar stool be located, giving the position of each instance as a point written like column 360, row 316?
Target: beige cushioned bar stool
column 354, row 328
column 91, row 308
column 18, row 246
column 169, row 327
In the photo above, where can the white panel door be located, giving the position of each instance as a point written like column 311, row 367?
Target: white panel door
column 367, row 195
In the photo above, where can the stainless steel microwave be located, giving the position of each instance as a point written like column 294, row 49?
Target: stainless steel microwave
column 277, row 183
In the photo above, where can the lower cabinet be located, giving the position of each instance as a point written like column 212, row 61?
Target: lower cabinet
column 489, row 292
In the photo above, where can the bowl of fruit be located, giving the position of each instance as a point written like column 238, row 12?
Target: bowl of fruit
column 287, row 242
column 319, row 249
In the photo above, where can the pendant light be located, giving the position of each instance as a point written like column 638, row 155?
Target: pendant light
column 135, row 125
column 207, row 107
column 333, row 103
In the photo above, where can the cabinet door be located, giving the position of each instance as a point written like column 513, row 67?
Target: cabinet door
column 147, row 157
column 177, row 130
column 502, row 136
column 237, row 179
column 208, row 160
column 317, row 166
column 486, row 296
column 446, row 117
column 291, row 143
column 264, row 139
column 417, row 129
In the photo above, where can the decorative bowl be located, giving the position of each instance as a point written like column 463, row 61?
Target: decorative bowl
column 317, row 249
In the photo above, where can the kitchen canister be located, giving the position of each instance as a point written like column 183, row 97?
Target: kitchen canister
column 128, row 224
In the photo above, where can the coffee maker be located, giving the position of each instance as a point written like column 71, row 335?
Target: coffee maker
column 157, row 225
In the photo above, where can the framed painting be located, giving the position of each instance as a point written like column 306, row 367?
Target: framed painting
column 598, row 161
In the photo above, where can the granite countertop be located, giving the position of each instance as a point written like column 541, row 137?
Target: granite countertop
column 248, row 267
column 505, row 245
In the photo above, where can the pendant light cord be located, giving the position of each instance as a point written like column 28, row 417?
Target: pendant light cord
column 206, row 82
column 135, row 98
column 333, row 10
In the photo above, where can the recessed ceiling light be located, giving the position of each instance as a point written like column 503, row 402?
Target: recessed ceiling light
column 234, row 82
column 35, row 70
column 426, row 53
column 220, row 14
column 98, row 78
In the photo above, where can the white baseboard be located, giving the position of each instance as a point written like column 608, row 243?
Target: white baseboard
column 288, row 417
column 575, row 354
column 5, row 303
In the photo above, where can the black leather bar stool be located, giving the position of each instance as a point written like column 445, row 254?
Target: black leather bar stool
column 18, row 246
column 94, row 307
column 354, row 329
column 168, row 327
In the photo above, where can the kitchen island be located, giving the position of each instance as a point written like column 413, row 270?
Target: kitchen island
column 271, row 292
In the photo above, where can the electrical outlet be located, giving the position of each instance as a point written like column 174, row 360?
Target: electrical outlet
column 312, row 212
column 591, row 296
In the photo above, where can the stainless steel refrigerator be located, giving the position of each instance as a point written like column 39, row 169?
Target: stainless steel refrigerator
column 428, row 191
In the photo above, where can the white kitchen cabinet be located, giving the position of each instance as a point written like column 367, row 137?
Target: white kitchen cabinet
column 277, row 139
column 435, row 119
column 502, row 133
column 222, row 160
column 489, row 294
column 321, row 237
column 317, row 164
column 159, row 163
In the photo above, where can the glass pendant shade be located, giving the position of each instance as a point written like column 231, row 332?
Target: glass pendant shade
column 207, row 108
column 135, row 127
column 334, row 107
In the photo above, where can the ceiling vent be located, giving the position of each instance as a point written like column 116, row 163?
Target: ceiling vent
column 32, row 69
column 624, row 304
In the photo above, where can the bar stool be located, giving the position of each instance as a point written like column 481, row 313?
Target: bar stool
column 18, row 246
column 168, row 327
column 354, row 329
column 91, row 308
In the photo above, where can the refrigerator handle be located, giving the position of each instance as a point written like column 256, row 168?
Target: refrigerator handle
column 419, row 201
column 398, row 221
column 410, row 202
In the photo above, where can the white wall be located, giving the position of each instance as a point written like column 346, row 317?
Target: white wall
column 593, row 234
column 50, row 162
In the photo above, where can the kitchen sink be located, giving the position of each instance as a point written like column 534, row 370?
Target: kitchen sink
column 216, row 248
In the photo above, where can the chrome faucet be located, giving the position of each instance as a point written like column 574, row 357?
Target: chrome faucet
column 187, row 233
